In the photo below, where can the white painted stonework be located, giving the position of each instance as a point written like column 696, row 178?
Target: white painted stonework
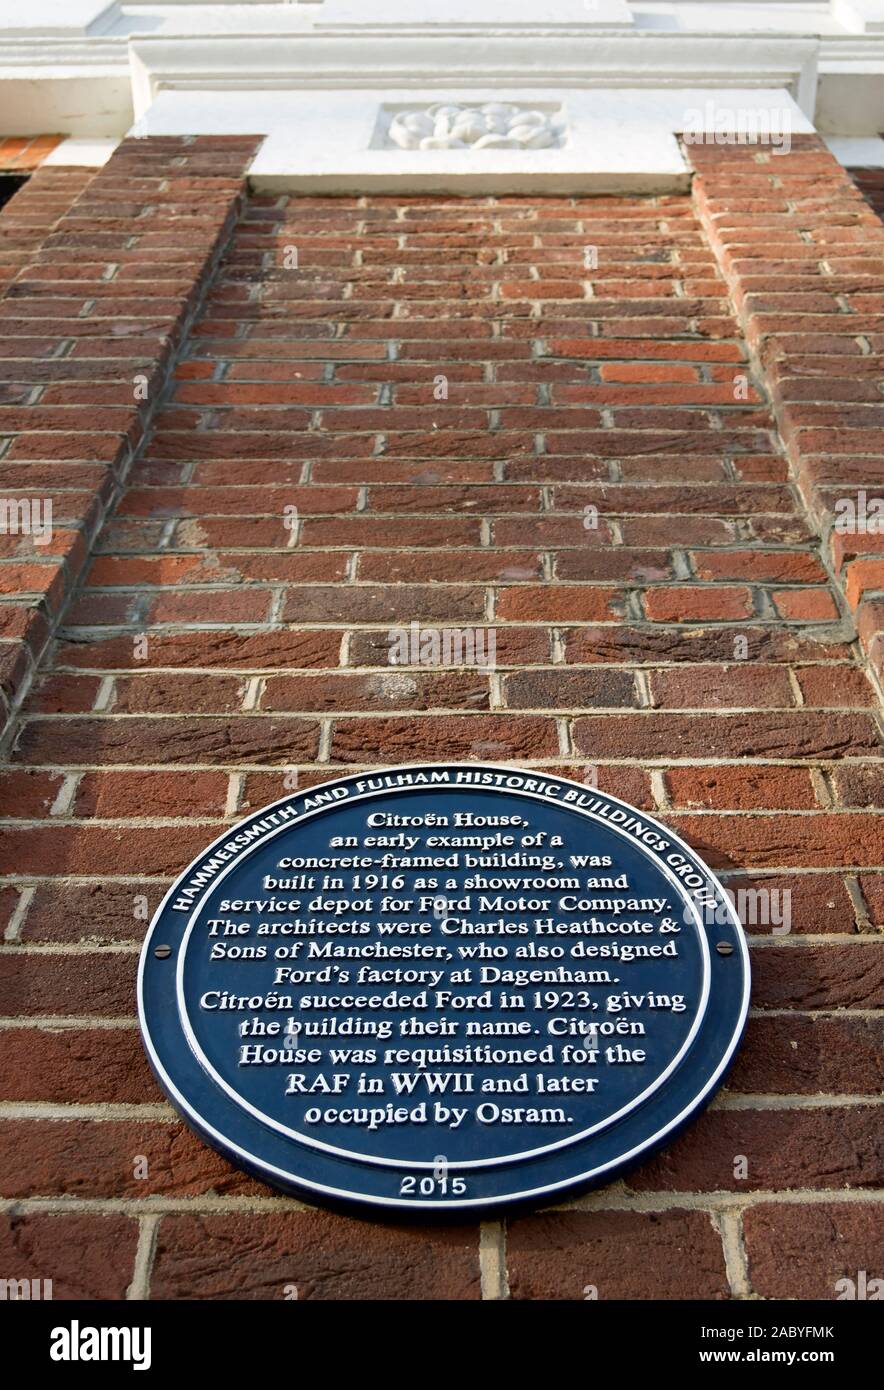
column 494, row 125
column 477, row 14
column 342, row 89
column 856, row 152
column 618, row 139
column 83, row 154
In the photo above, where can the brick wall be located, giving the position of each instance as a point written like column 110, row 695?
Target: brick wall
column 870, row 182
column 803, row 254
column 694, row 646
column 104, row 271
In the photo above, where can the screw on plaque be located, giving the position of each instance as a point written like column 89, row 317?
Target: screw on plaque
column 162, row 952
column 725, row 948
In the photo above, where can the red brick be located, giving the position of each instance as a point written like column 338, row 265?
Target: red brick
column 740, row 788
column 788, row 734
column 640, row 348
column 822, row 840
column 805, row 605
column 154, row 693
column 564, row 689
column 384, row 603
column 672, row 1254
column 128, row 795
column 759, row 566
column 505, row 566
column 64, row 694
column 112, row 1160
column 859, row 785
column 130, row 739
column 749, row 684
column 631, row 784
column 817, row 903
column 514, row 646
column 806, row 1055
column 863, row 575
column 261, row 1256
column 828, row 686
column 86, row 1255
column 224, row 648
column 620, row 562
column 844, row 545
column 388, row 690
column 558, row 603
column 818, row 977
column 75, row 1066
column 93, row 850
column 684, row 605
column 29, row 794
column 647, row 371
column 34, row 985
column 823, row 1147
column 96, row 912
column 804, row 1250
column 488, row 737
column 872, row 886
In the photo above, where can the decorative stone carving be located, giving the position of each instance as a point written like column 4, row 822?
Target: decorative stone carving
column 495, row 125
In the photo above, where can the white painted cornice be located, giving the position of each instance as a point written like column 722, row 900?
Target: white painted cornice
column 444, row 59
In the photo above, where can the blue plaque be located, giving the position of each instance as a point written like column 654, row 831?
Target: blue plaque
column 443, row 987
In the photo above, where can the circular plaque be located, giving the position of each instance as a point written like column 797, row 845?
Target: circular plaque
column 440, row 987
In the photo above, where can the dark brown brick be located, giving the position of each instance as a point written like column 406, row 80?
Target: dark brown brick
column 804, row 1251
column 85, row 1255
column 261, row 1256
column 672, row 1255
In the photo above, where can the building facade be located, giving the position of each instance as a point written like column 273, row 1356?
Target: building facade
column 326, row 320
